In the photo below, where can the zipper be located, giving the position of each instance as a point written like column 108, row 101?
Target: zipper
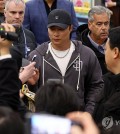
column 59, row 70
column 69, row 67
column 52, row 66
column 72, row 63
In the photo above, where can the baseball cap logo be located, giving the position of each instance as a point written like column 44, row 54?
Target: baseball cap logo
column 56, row 17
column 59, row 18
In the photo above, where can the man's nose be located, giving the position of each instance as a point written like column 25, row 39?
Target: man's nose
column 56, row 33
column 104, row 26
column 17, row 15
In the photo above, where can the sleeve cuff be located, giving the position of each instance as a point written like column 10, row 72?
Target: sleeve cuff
column 5, row 56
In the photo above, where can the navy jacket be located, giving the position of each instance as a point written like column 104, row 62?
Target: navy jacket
column 36, row 18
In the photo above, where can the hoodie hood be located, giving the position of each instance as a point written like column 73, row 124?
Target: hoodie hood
column 41, row 49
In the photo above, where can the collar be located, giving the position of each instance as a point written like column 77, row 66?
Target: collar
column 100, row 48
column 49, row 9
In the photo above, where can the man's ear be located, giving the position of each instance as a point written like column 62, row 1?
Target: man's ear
column 5, row 13
column 89, row 25
column 71, row 28
column 116, row 53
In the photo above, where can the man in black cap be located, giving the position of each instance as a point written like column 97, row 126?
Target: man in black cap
column 68, row 61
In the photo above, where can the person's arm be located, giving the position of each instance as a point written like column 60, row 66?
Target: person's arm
column 110, row 4
column 27, row 72
column 113, row 4
column 9, row 80
column 93, row 84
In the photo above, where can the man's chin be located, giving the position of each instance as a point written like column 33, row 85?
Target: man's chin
column 104, row 37
column 16, row 25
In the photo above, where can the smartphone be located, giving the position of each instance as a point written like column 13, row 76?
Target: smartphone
column 47, row 124
column 33, row 58
column 54, row 80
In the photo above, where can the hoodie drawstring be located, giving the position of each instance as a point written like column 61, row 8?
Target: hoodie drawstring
column 43, row 71
column 80, row 67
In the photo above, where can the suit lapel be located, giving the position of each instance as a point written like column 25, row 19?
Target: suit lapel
column 43, row 11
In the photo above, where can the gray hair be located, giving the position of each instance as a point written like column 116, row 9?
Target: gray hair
column 98, row 10
column 15, row 1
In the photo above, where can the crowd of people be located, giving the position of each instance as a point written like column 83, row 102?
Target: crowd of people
column 73, row 70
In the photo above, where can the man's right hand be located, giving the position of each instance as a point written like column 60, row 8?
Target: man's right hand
column 27, row 73
column 34, row 79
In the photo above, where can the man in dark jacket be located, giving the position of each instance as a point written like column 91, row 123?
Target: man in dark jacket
column 14, row 14
column 96, row 34
column 108, row 112
column 69, row 61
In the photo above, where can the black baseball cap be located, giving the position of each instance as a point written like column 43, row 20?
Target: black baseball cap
column 60, row 18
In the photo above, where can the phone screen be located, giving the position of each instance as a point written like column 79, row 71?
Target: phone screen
column 48, row 124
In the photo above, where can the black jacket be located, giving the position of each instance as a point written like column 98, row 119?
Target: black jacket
column 27, row 36
column 2, row 17
column 82, row 36
column 108, row 111
column 9, row 84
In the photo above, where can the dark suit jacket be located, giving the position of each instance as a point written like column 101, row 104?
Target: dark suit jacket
column 36, row 18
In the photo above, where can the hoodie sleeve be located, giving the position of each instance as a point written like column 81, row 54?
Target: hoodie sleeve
column 94, row 83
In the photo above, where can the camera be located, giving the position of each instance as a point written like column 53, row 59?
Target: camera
column 12, row 36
